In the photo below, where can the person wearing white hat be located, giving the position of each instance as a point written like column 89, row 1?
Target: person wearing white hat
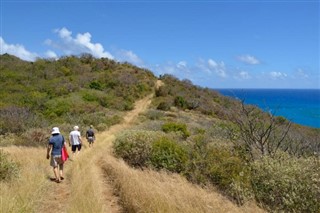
column 56, row 142
column 75, row 140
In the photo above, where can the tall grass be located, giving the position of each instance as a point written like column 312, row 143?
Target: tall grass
column 26, row 192
column 150, row 191
column 87, row 182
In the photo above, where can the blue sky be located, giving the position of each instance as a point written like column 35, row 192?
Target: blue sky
column 215, row 44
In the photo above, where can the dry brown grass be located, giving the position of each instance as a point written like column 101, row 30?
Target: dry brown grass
column 150, row 191
column 93, row 177
column 26, row 192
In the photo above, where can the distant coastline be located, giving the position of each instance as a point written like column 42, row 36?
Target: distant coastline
column 301, row 106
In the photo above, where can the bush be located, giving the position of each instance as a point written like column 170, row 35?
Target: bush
column 215, row 164
column 135, row 146
column 8, row 168
column 165, row 106
column 176, row 127
column 287, row 184
column 35, row 137
column 154, row 114
column 167, row 154
column 180, row 102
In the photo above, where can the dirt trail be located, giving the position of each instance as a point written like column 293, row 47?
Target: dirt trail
column 84, row 176
column 60, row 195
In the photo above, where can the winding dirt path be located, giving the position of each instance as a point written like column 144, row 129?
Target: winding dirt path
column 86, row 188
column 60, row 196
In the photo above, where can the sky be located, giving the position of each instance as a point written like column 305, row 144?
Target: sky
column 212, row 43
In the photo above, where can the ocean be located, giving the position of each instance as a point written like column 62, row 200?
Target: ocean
column 301, row 106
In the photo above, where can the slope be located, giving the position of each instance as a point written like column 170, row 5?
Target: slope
column 97, row 182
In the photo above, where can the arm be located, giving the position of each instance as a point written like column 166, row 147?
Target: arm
column 49, row 148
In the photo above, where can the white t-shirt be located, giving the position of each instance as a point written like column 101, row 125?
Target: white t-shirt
column 74, row 137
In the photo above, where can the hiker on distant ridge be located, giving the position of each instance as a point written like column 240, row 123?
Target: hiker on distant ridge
column 75, row 140
column 56, row 142
column 90, row 136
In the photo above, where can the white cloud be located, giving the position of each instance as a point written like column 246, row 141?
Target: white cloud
column 278, row 75
column 17, row 50
column 182, row 65
column 300, row 73
column 129, row 56
column 244, row 75
column 51, row 54
column 248, row 59
column 218, row 68
column 64, row 33
column 80, row 44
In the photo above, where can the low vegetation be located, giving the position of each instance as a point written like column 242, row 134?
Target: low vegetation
column 193, row 137
column 83, row 91
column 8, row 168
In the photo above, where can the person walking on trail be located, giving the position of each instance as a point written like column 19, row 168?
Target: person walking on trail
column 56, row 142
column 90, row 136
column 75, row 140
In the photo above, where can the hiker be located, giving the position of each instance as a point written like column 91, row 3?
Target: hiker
column 56, row 142
column 90, row 136
column 75, row 140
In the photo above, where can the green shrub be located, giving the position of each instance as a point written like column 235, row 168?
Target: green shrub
column 57, row 107
column 287, row 184
column 176, row 127
column 135, row 146
column 101, row 126
column 217, row 165
column 167, row 154
column 95, row 85
column 154, row 114
column 165, row 106
column 8, row 168
column 180, row 102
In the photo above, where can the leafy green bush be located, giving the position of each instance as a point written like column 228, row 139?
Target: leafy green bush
column 8, row 168
column 176, row 127
column 135, row 146
column 287, row 184
column 169, row 155
column 180, row 102
column 217, row 165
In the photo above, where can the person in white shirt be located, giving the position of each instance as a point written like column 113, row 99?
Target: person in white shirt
column 75, row 140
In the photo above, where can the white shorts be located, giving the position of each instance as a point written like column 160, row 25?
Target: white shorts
column 56, row 160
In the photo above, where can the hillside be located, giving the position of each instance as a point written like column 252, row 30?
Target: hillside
column 180, row 148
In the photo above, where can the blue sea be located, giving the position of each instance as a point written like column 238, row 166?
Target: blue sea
column 300, row 106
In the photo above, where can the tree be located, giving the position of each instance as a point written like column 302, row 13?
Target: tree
column 260, row 133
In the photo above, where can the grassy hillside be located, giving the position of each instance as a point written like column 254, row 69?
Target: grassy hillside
column 212, row 141
column 35, row 96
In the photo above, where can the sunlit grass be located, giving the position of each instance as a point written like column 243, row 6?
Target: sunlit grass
column 150, row 191
column 26, row 192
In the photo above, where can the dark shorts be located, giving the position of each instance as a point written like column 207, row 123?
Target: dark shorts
column 75, row 147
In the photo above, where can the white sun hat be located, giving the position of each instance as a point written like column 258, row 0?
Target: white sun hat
column 55, row 130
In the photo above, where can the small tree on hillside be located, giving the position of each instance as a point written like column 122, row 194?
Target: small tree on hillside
column 259, row 133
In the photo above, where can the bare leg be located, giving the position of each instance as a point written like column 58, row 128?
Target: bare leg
column 56, row 174
column 61, row 171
